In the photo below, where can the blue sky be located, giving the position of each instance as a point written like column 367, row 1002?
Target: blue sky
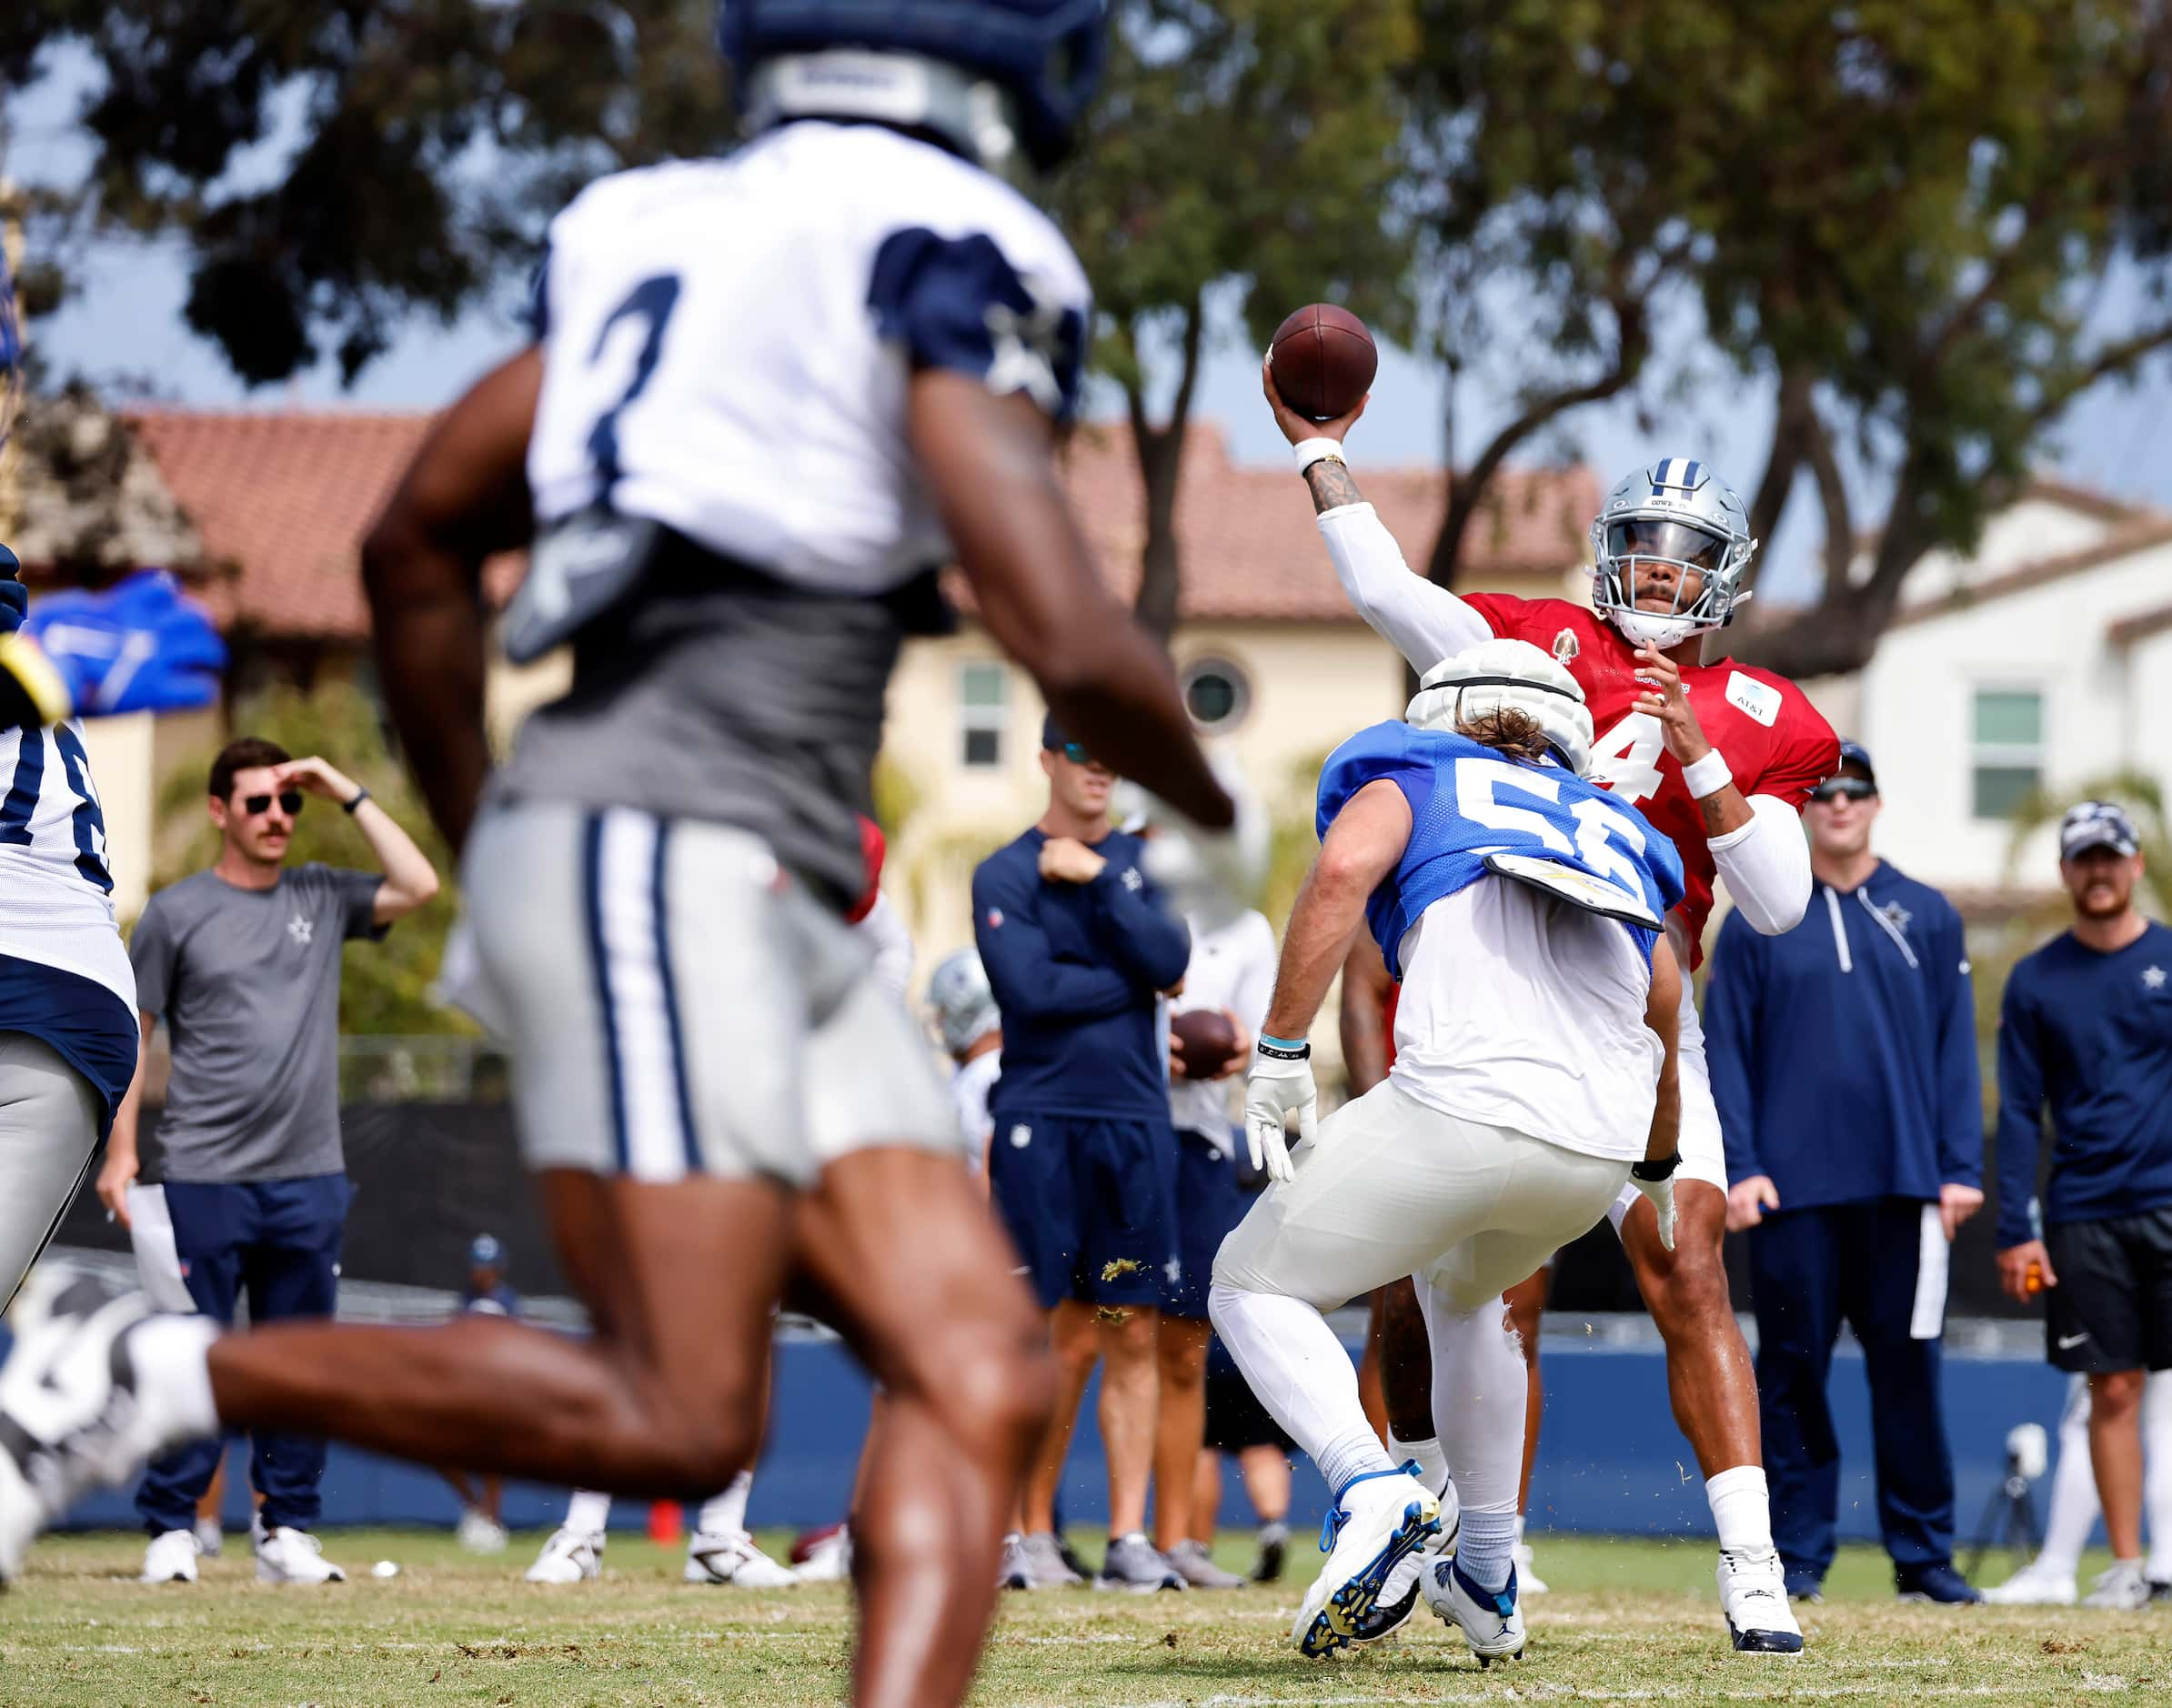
column 125, row 319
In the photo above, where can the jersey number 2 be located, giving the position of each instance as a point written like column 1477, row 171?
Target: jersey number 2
column 22, row 800
column 1625, row 759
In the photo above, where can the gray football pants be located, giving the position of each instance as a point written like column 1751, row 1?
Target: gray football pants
column 49, row 1127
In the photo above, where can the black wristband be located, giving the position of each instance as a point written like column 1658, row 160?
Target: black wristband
column 361, row 795
column 1303, row 1053
column 1662, row 1170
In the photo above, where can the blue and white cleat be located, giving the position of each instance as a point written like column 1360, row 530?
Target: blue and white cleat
column 1399, row 1601
column 1491, row 1621
column 1378, row 1521
column 1753, row 1595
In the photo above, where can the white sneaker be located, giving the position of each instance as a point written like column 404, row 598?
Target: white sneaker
column 1380, row 1520
column 1491, row 1623
column 1752, row 1592
column 829, row 1559
column 211, row 1537
column 568, row 1557
column 1528, row 1581
column 2122, row 1588
column 2035, row 1585
column 1015, row 1571
column 730, row 1556
column 481, row 1533
column 171, row 1558
column 294, row 1556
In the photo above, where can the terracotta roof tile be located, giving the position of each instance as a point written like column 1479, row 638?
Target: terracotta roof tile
column 282, row 501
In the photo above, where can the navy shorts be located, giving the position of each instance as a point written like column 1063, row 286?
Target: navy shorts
column 1211, row 1199
column 1088, row 1204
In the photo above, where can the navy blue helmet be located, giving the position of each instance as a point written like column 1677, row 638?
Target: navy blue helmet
column 923, row 64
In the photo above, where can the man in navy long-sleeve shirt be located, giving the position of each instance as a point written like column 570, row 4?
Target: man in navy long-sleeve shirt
column 1843, row 1059
column 2086, row 1028
column 1083, row 1166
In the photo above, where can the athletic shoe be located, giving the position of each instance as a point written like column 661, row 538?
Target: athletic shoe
column 1380, row 1520
column 1274, row 1547
column 1046, row 1561
column 1071, row 1563
column 1939, row 1583
column 211, row 1538
column 730, row 1556
column 2122, row 1588
column 2160, row 1590
column 1197, row 1567
column 294, row 1556
column 1528, row 1580
column 1491, row 1621
column 1133, row 1562
column 2035, row 1585
column 568, row 1557
column 171, row 1558
column 1015, row 1571
column 1753, row 1595
column 481, row 1533
column 826, row 1558
column 1399, row 1600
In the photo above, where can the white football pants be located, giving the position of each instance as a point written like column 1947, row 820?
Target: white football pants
column 49, row 1117
column 1390, row 1189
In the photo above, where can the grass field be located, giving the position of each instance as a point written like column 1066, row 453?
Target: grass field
column 1628, row 1621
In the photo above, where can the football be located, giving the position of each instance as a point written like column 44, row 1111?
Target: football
column 1205, row 1040
column 1323, row 361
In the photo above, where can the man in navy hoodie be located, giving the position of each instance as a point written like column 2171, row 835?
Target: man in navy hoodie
column 1844, row 1063
column 2086, row 1031
column 1082, row 1164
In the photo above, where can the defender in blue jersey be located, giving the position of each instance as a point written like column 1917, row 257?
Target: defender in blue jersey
column 1534, row 1076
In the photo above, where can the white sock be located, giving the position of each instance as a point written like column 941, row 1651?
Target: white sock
column 722, row 1515
column 2157, row 1473
column 173, row 1378
column 2074, row 1503
column 1519, row 1530
column 1486, row 1548
column 1479, row 1390
column 1432, row 1463
column 1740, row 1510
column 1303, row 1376
column 588, row 1513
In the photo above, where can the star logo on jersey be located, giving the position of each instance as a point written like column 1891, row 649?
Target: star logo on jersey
column 301, row 930
column 1132, row 879
column 1031, row 349
column 1175, row 1270
column 1566, row 646
column 1896, row 916
column 2153, row 978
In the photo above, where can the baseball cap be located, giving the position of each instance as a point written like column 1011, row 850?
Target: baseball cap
column 487, row 1252
column 1856, row 754
column 1054, row 740
column 2098, row 824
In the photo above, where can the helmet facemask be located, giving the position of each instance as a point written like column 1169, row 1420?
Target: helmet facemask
column 1657, row 530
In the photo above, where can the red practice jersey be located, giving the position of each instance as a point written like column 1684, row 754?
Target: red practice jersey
column 1775, row 741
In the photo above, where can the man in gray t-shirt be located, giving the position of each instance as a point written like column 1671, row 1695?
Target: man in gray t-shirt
column 242, row 961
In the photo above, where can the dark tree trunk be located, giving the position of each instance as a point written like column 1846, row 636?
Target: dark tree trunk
column 1161, row 451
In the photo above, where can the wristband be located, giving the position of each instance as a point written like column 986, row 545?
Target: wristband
column 1316, row 450
column 361, row 795
column 1285, row 1048
column 1662, row 1170
column 1709, row 776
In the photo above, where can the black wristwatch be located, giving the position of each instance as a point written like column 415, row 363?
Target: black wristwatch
column 1662, row 1170
column 361, row 795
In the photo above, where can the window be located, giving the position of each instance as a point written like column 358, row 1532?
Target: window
column 1216, row 694
column 984, row 709
column 2007, row 749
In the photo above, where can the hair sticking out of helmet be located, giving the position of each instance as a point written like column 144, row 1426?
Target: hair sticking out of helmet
column 1670, row 549
column 1500, row 686
column 1516, row 734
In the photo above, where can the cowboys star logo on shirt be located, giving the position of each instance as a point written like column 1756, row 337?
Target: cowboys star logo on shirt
column 2153, row 978
column 301, row 930
column 1132, row 879
column 1567, row 645
column 1896, row 916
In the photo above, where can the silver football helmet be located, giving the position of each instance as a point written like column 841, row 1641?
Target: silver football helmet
column 1673, row 516
column 958, row 1000
column 1511, row 674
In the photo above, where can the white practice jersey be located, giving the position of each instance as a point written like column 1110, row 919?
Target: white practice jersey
column 56, row 891
column 889, row 940
column 970, row 1082
column 1522, row 1011
column 727, row 343
column 1232, row 969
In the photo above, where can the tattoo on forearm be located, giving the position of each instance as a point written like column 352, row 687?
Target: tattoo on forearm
column 1331, row 485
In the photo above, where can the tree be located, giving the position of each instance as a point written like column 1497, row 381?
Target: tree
column 1255, row 145
column 1898, row 216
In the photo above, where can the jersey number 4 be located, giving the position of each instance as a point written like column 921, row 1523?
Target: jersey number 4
column 1625, row 759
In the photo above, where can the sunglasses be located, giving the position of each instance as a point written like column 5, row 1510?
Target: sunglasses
column 1843, row 788
column 256, row 806
column 1075, row 751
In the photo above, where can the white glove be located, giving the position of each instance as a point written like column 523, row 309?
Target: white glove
column 1280, row 1083
column 1214, row 873
column 1661, row 1194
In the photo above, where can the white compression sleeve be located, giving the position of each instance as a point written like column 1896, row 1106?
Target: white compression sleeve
column 2074, row 1503
column 1766, row 866
column 1303, row 1376
column 1424, row 622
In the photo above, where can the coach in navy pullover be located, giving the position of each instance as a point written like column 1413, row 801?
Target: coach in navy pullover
column 1843, row 1057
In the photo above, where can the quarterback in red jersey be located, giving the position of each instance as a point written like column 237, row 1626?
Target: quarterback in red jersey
column 1720, row 756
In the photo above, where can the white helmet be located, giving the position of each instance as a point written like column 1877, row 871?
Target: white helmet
column 1513, row 674
column 958, row 1000
column 1678, row 512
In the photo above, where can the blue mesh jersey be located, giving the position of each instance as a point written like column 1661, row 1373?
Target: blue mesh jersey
column 1469, row 803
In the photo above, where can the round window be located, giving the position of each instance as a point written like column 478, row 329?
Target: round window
column 1216, row 693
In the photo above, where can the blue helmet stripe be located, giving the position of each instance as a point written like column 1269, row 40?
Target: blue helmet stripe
column 1689, row 476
